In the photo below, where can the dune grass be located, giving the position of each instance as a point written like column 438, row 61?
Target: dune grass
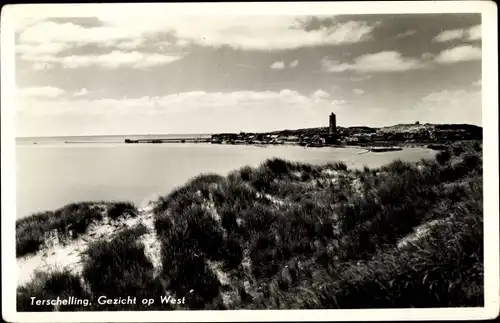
column 115, row 268
column 31, row 232
column 120, row 268
column 337, row 227
column 46, row 286
column 68, row 222
column 289, row 235
column 118, row 209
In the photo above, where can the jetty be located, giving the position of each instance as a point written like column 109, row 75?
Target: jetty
column 438, row 147
column 167, row 140
column 383, row 149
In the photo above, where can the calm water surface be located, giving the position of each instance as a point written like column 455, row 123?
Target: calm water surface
column 51, row 173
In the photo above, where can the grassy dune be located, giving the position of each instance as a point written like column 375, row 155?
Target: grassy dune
column 289, row 235
column 69, row 222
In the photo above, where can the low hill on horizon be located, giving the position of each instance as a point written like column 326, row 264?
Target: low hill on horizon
column 409, row 127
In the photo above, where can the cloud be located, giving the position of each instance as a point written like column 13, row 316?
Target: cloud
column 153, row 40
column 320, row 94
column 112, row 60
column 427, row 56
column 406, row 34
column 477, row 83
column 43, row 41
column 130, row 44
column 475, row 33
column 196, row 111
column 49, row 31
column 385, row 61
column 452, row 106
column 358, row 91
column 179, row 102
column 458, row 54
column 245, row 32
column 444, row 96
column 82, row 92
column 39, row 66
column 472, row 33
column 21, row 23
column 117, row 59
column 448, row 35
column 30, row 52
column 40, row 92
column 361, row 78
column 393, row 61
column 278, row 65
column 271, row 33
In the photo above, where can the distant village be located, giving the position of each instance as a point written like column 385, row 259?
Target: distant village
column 334, row 136
column 390, row 137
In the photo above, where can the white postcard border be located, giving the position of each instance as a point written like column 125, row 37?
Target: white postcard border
column 490, row 153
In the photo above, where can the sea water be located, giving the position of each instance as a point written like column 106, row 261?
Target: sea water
column 52, row 172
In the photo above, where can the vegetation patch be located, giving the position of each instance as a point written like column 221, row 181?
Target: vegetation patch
column 48, row 286
column 69, row 221
column 119, row 209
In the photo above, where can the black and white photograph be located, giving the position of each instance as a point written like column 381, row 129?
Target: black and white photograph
column 186, row 158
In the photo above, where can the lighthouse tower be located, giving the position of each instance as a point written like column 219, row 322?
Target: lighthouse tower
column 333, row 124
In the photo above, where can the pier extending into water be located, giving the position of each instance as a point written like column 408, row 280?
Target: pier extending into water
column 166, row 140
column 208, row 140
column 384, row 149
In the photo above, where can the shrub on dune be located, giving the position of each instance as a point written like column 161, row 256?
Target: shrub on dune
column 443, row 268
column 74, row 218
column 119, row 209
column 118, row 267
column 50, row 285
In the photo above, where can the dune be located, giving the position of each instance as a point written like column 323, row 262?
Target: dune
column 57, row 254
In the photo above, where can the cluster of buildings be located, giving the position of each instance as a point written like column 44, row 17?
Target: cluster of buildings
column 333, row 135
column 252, row 138
column 303, row 138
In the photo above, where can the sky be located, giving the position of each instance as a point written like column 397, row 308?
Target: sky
column 155, row 74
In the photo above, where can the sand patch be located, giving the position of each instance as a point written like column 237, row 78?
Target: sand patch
column 216, row 268
column 152, row 245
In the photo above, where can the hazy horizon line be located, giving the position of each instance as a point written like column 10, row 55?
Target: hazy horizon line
column 210, row 133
